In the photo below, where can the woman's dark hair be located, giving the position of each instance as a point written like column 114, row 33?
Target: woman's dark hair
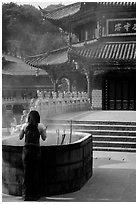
column 33, row 118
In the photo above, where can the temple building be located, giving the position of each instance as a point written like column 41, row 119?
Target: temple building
column 19, row 80
column 103, row 55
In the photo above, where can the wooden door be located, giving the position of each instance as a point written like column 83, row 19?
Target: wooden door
column 119, row 91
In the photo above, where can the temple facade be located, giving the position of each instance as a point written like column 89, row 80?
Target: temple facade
column 101, row 48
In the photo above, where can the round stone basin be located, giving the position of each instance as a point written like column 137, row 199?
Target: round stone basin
column 64, row 168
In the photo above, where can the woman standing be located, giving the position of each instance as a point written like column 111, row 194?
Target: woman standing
column 31, row 155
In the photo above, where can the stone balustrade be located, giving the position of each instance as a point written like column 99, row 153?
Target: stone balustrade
column 48, row 95
column 51, row 103
column 54, row 95
column 50, row 106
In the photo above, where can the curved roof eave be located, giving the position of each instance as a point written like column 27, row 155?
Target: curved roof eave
column 63, row 12
column 52, row 59
column 70, row 10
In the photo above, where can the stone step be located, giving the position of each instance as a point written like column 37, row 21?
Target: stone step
column 95, row 127
column 114, row 149
column 114, row 138
column 114, row 144
column 131, row 123
column 107, row 132
column 104, row 127
column 91, row 122
column 89, row 126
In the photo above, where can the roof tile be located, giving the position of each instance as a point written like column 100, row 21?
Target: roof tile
column 93, row 51
column 63, row 11
column 16, row 66
column 108, row 50
column 72, row 9
column 55, row 57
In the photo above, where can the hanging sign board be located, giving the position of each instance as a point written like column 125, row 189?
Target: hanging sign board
column 117, row 27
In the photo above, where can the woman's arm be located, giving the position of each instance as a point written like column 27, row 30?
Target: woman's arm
column 21, row 135
column 22, row 130
column 43, row 133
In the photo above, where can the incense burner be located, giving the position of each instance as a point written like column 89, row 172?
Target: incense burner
column 64, row 168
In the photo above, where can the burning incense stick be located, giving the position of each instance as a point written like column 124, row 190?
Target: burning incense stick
column 63, row 137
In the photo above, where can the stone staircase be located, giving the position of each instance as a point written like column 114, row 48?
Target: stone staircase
column 107, row 135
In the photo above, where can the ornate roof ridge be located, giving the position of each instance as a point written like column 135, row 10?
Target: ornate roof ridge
column 117, row 3
column 71, row 9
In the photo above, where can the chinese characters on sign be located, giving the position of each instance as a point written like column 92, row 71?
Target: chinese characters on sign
column 121, row 26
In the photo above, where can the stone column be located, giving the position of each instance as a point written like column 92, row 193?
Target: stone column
column 54, row 80
column 89, row 77
column 55, row 85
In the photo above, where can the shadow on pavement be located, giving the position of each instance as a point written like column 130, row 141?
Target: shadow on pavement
column 106, row 185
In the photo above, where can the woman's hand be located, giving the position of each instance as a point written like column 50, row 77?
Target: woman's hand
column 21, row 135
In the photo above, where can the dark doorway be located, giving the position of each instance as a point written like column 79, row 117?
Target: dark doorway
column 119, row 90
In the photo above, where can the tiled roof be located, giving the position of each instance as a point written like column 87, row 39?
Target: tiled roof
column 107, row 51
column 94, row 51
column 15, row 66
column 118, row 3
column 72, row 9
column 55, row 57
column 63, row 11
column 35, row 60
